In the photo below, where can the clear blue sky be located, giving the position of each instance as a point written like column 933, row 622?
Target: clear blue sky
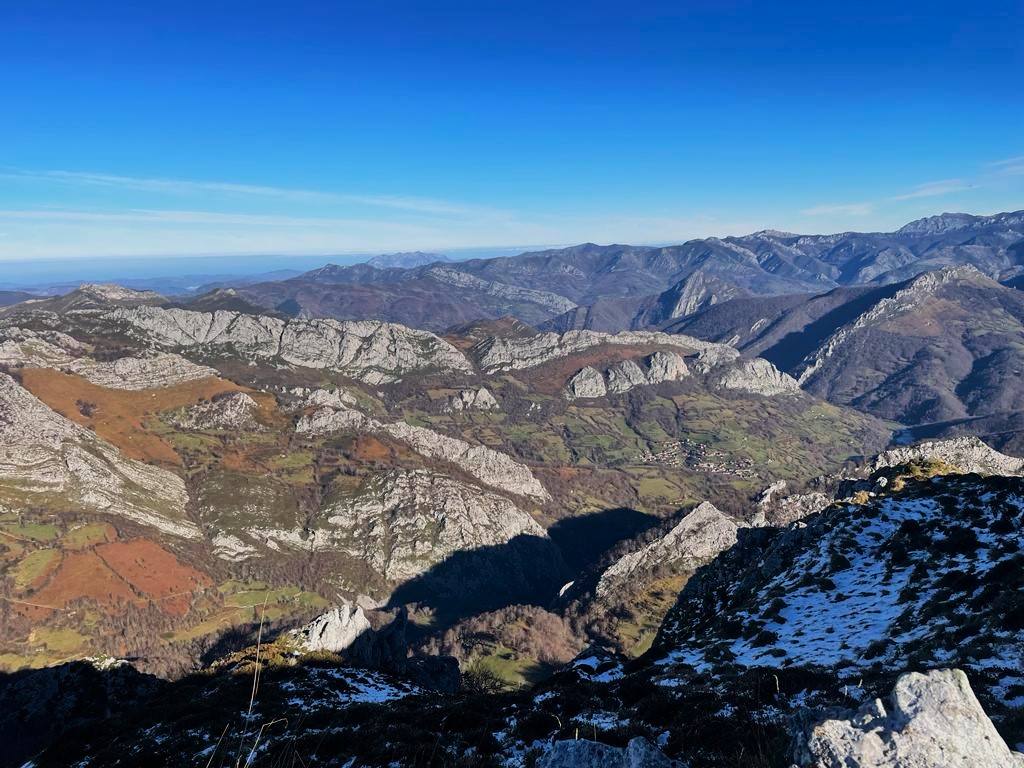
column 221, row 127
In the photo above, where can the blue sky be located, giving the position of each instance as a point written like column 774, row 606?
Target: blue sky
column 138, row 129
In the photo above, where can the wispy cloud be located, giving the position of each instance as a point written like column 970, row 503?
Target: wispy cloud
column 1007, row 161
column 1010, row 166
column 186, row 187
column 934, row 189
column 840, row 209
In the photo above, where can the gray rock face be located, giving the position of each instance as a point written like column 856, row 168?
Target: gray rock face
column 52, row 349
column 374, row 352
column 487, row 465
column 505, row 353
column 700, row 536
column 472, row 400
column 235, row 410
column 112, row 293
column 627, row 375
column 581, row 753
column 334, row 631
column 758, row 377
column 931, row 720
column 624, row 376
column 967, row 453
column 403, row 522
column 666, row 366
column 586, row 383
column 48, row 459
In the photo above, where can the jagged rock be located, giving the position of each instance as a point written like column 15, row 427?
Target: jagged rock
column 325, row 398
column 932, row 720
column 334, row 631
column 41, row 349
column 714, row 356
column 587, row 382
column 788, row 509
column 666, row 366
column 231, row 548
column 699, row 537
column 374, row 352
column 582, row 753
column 52, row 349
column 472, row 400
column 136, row 373
column 487, row 465
column 403, row 522
column 328, row 420
column 508, row 353
column 624, row 376
column 235, row 410
column 49, row 459
column 759, row 377
column 969, row 454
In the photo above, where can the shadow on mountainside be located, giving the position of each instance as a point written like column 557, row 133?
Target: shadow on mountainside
column 787, row 352
column 38, row 706
column 582, row 540
column 526, row 570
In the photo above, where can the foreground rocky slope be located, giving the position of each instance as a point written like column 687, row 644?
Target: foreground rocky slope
column 737, row 676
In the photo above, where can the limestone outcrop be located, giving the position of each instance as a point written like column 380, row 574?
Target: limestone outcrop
column 931, row 720
column 373, row 352
column 404, row 521
column 46, row 458
column 699, row 537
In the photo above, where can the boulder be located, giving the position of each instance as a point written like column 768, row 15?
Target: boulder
column 334, row 631
column 587, row 383
column 931, row 720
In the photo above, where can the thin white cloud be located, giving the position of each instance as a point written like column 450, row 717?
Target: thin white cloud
column 1014, row 161
column 934, row 189
column 1011, row 166
column 840, row 209
column 407, row 203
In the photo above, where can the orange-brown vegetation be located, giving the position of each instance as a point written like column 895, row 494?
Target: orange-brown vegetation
column 369, row 448
column 154, row 572
column 81, row 575
column 118, row 415
column 115, row 575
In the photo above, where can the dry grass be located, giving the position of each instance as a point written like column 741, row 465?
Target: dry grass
column 118, row 415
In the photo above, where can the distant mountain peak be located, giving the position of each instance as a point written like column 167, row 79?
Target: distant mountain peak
column 114, row 292
column 772, row 234
column 406, row 259
column 939, row 224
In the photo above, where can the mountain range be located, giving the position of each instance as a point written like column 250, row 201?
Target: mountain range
column 618, row 286
column 716, row 504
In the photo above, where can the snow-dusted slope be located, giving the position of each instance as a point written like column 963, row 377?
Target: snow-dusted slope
column 929, row 576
